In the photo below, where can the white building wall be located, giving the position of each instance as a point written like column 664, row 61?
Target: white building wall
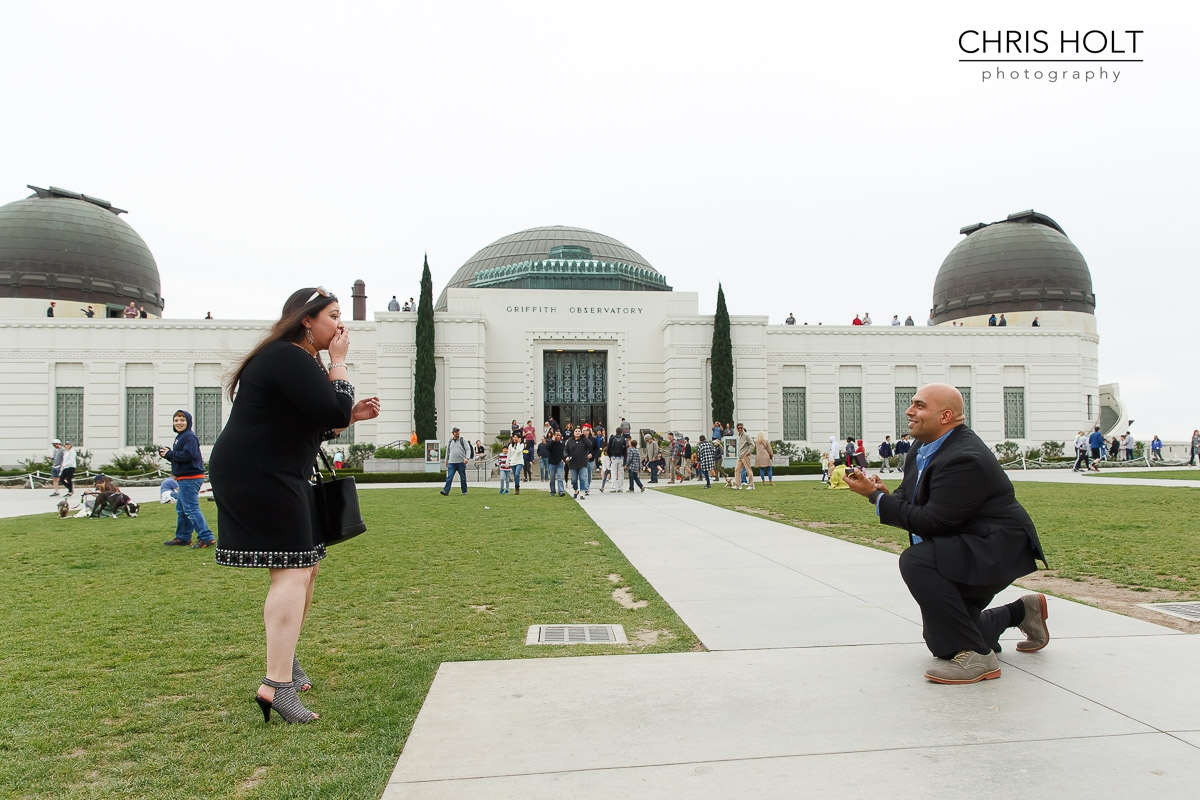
column 490, row 346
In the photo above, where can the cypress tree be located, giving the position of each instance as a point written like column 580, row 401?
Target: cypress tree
column 721, row 388
column 424, row 407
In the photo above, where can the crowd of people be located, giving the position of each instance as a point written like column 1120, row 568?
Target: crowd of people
column 575, row 455
column 865, row 319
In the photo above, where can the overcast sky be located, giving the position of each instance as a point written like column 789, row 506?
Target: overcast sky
column 817, row 161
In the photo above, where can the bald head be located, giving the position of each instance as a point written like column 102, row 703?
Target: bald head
column 936, row 408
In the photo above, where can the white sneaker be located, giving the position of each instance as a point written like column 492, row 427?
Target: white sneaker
column 751, row 487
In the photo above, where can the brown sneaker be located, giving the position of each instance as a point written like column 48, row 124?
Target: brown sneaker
column 1037, row 635
column 966, row 667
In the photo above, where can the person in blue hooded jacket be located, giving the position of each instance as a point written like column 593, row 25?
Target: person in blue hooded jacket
column 187, row 465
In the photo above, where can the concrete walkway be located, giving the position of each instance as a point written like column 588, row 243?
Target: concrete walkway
column 813, row 687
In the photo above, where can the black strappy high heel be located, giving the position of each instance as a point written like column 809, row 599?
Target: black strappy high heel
column 299, row 679
column 286, row 703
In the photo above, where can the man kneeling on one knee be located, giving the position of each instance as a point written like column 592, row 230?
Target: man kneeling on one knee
column 970, row 539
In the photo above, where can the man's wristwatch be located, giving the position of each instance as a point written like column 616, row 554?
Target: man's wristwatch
column 875, row 495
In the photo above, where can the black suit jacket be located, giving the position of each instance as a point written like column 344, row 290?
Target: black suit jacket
column 964, row 504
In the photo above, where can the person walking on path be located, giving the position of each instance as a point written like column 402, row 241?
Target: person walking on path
column 554, row 459
column 187, row 467
column 1195, row 447
column 579, row 457
column 1096, row 444
column 68, row 468
column 616, row 450
column 745, row 456
column 286, row 401
column 458, row 455
column 902, row 448
column 56, row 466
column 969, row 539
column 674, row 449
column 652, row 457
column 633, row 464
column 543, row 458
column 706, row 459
column 762, row 459
column 1082, row 462
column 516, row 461
column 885, row 452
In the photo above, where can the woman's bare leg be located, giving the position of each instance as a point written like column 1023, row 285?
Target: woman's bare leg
column 283, row 617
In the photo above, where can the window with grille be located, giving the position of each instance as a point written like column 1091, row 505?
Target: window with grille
column 904, row 396
column 1014, row 412
column 965, row 391
column 850, row 411
column 794, row 422
column 207, row 420
column 345, row 437
column 68, row 414
column 139, row 416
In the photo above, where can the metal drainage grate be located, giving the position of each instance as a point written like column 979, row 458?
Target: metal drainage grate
column 1189, row 611
column 576, row 634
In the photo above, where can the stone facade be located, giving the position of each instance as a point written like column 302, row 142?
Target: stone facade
column 491, row 350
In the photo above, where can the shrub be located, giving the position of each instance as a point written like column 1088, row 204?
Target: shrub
column 143, row 459
column 1033, row 453
column 809, row 455
column 781, row 448
column 1052, row 450
column 1008, row 451
column 44, row 464
column 408, row 451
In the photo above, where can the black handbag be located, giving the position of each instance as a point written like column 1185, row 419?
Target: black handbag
column 336, row 516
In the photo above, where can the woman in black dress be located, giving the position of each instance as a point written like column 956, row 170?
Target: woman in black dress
column 286, row 403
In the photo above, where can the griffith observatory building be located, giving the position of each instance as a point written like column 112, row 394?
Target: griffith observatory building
column 551, row 321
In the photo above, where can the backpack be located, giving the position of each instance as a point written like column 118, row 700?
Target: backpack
column 616, row 445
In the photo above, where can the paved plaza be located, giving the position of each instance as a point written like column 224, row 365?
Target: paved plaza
column 813, row 686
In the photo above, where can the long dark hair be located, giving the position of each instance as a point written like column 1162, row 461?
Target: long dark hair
column 289, row 328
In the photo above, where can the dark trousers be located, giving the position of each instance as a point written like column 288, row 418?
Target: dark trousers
column 952, row 614
column 654, row 471
column 635, row 478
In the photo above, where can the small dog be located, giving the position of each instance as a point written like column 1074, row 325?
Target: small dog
column 64, row 508
column 114, row 503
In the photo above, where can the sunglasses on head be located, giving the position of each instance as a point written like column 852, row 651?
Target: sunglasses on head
column 320, row 292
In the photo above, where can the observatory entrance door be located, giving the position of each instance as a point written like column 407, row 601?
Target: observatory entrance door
column 575, row 387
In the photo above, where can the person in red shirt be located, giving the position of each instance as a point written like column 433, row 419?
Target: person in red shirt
column 857, row 321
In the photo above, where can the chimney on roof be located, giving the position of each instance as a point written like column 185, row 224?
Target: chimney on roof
column 359, row 294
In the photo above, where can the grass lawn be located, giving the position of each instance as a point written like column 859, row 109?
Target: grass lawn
column 129, row 668
column 1158, row 475
column 1134, row 536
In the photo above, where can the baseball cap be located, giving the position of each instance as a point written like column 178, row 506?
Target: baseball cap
column 456, row 430
column 55, row 441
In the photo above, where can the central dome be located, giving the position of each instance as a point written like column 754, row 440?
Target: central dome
column 557, row 257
